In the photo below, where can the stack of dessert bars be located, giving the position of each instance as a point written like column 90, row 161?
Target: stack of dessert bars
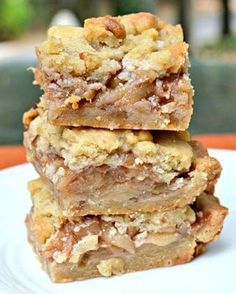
column 122, row 187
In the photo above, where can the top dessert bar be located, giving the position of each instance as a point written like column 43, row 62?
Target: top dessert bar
column 125, row 72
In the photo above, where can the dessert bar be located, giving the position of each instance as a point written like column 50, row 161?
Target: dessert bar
column 126, row 72
column 103, row 245
column 94, row 171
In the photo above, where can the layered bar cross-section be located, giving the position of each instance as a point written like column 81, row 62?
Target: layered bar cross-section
column 103, row 245
column 126, row 72
column 95, row 171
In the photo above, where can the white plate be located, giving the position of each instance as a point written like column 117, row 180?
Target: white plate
column 20, row 271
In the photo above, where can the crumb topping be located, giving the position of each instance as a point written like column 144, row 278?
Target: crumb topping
column 81, row 147
column 136, row 41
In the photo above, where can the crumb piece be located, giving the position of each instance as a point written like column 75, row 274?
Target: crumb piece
column 29, row 116
column 111, row 266
column 43, row 228
column 104, row 30
column 73, row 100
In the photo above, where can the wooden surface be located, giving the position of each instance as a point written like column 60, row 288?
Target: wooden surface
column 13, row 155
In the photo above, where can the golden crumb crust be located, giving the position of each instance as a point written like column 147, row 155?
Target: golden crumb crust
column 107, row 44
column 84, row 147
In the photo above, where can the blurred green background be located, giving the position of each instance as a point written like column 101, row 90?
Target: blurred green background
column 210, row 27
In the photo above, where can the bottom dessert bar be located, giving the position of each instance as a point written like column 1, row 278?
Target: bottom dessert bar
column 91, row 246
